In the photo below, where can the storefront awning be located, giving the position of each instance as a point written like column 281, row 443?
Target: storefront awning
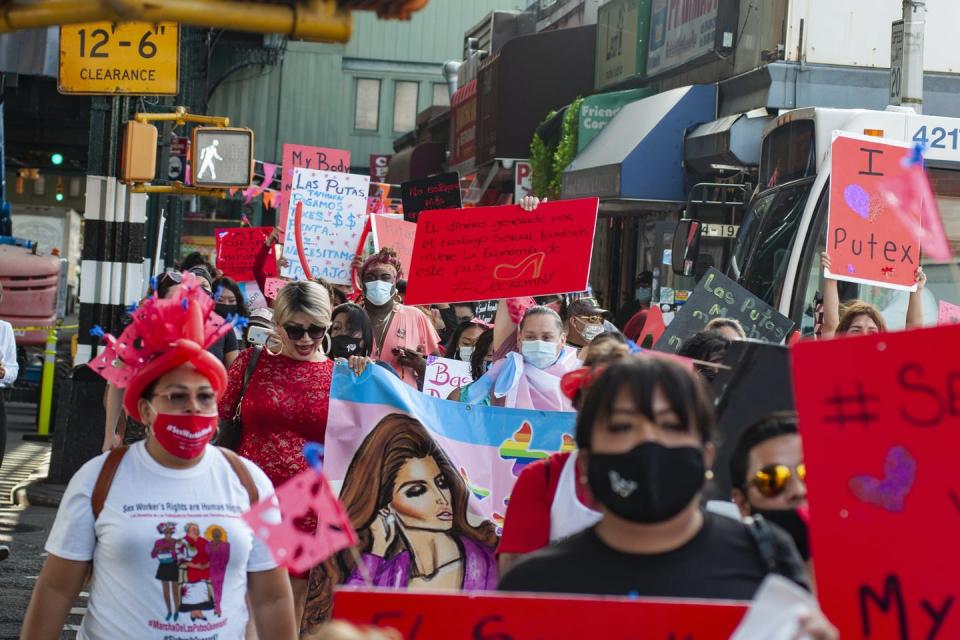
column 417, row 162
column 731, row 142
column 639, row 155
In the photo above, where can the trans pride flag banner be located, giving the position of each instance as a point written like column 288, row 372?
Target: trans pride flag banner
column 487, row 446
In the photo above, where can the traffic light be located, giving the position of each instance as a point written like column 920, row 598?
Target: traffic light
column 59, row 195
column 138, row 155
column 56, row 159
column 222, row 157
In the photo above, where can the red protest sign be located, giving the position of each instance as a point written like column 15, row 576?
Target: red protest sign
column 396, row 234
column 880, row 418
column 237, row 250
column 435, row 616
column 866, row 241
column 502, row 252
column 301, row 156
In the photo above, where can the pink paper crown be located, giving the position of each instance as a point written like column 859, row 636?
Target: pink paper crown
column 165, row 334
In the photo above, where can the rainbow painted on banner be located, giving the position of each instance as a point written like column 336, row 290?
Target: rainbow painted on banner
column 479, row 492
column 518, row 449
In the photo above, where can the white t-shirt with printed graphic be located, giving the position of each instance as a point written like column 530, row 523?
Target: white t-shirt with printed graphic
column 169, row 548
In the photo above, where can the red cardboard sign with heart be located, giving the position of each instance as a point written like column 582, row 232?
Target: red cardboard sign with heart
column 880, row 421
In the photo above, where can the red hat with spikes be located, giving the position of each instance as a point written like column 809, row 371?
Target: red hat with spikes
column 165, row 334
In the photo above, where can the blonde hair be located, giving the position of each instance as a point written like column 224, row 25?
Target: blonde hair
column 302, row 297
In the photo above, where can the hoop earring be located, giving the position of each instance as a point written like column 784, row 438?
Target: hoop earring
column 266, row 346
column 326, row 351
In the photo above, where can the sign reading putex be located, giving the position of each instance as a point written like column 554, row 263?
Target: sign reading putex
column 717, row 296
column 502, row 252
column 407, row 464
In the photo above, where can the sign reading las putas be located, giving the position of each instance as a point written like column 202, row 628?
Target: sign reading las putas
column 304, row 156
column 502, row 252
column 435, row 616
column 717, row 296
column 866, row 242
column 883, row 522
column 334, row 215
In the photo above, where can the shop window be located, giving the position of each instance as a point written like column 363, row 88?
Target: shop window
column 441, row 95
column 367, row 116
column 405, row 105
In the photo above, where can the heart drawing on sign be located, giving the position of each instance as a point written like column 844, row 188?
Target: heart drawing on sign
column 900, row 469
column 534, row 262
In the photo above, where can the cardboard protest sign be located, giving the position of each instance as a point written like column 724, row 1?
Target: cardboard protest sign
column 880, row 418
column 717, row 296
column 375, row 421
column 443, row 375
column 396, row 234
column 301, row 155
column 273, row 286
column 866, row 242
column 333, row 218
column 949, row 313
column 237, row 249
column 436, row 192
column 502, row 252
column 436, row 616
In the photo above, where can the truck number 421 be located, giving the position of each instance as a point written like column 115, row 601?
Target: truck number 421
column 937, row 138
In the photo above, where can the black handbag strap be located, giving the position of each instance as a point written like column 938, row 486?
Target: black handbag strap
column 764, row 541
column 247, row 374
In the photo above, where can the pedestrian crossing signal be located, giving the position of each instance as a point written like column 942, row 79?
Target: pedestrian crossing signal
column 222, row 157
column 138, row 154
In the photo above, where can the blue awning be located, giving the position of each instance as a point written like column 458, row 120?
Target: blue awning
column 639, row 155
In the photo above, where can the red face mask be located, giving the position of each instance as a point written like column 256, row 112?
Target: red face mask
column 184, row 435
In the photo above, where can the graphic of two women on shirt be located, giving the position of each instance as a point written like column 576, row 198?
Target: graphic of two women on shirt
column 191, row 569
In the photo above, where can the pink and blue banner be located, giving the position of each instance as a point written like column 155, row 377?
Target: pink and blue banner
column 487, row 447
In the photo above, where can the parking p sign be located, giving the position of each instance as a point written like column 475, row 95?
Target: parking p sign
column 222, row 157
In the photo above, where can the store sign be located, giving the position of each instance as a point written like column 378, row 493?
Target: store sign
column 379, row 165
column 463, row 131
column 597, row 111
column 622, row 27
column 105, row 58
column 179, row 155
column 682, row 31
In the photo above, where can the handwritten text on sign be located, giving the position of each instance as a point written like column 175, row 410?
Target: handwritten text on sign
column 433, row 616
column 865, row 241
column 334, row 214
column 895, row 400
column 502, row 252
column 306, row 157
column 435, row 192
column 237, row 250
column 443, row 375
column 717, row 296
column 395, row 234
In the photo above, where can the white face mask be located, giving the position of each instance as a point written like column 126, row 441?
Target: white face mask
column 466, row 353
column 378, row 292
column 539, row 353
column 591, row 331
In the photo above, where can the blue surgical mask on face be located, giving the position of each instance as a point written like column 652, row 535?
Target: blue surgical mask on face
column 378, row 292
column 643, row 294
column 539, row 353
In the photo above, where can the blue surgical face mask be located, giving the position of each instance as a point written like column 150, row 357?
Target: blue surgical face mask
column 378, row 292
column 643, row 294
column 539, row 353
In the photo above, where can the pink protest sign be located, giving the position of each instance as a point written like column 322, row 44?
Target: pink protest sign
column 396, row 234
column 306, row 494
column 949, row 313
column 273, row 286
column 304, row 156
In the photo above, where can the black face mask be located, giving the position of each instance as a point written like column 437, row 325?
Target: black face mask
column 223, row 310
column 791, row 522
column 650, row 483
column 344, row 346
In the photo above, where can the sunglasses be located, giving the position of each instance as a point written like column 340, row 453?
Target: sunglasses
column 180, row 401
column 590, row 319
column 296, row 332
column 772, row 479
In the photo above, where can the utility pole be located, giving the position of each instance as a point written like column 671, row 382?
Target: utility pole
column 911, row 73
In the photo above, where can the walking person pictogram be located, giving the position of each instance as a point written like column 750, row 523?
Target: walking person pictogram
column 207, row 155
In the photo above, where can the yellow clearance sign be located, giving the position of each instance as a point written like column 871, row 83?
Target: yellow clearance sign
column 138, row 58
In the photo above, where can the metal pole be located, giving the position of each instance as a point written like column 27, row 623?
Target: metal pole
column 46, row 384
column 914, row 21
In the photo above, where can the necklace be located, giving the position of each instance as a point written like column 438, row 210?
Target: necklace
column 383, row 326
column 433, row 574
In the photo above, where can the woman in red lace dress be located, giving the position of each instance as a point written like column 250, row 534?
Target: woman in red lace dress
column 286, row 401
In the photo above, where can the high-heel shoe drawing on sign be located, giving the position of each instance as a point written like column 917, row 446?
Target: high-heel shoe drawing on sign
column 507, row 271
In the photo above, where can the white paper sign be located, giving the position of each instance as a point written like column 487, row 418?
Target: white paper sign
column 334, row 215
column 443, row 375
